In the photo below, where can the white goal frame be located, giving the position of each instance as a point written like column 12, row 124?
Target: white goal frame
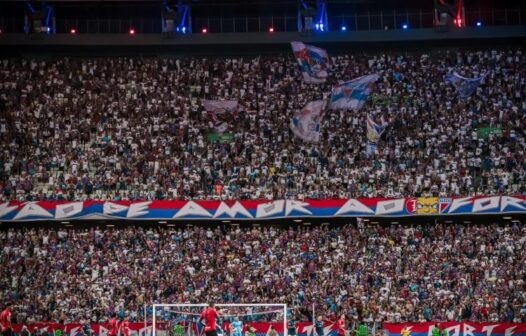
column 219, row 305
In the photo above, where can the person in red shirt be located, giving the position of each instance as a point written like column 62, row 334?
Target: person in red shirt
column 113, row 325
column 484, row 311
column 210, row 315
column 340, row 326
column 227, row 329
column 5, row 321
column 124, row 327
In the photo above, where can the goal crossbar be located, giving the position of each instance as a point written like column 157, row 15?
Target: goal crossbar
column 156, row 306
column 220, row 305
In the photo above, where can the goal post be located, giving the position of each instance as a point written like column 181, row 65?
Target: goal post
column 184, row 317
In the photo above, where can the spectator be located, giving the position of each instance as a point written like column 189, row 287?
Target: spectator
column 24, row 331
column 129, row 129
column 364, row 272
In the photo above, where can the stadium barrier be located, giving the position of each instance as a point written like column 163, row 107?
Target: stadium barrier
column 246, row 210
column 459, row 328
column 305, row 328
column 75, row 329
column 141, row 329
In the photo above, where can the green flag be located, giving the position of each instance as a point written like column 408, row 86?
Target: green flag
column 218, row 137
column 485, row 132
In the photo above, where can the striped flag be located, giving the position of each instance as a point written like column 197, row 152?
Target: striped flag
column 221, row 113
column 313, row 62
column 351, row 95
column 306, row 124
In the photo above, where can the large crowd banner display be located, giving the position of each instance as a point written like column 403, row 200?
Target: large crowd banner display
column 260, row 209
column 459, row 328
column 302, row 328
column 143, row 329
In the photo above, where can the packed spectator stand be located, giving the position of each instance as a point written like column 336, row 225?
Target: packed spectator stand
column 135, row 128
column 407, row 273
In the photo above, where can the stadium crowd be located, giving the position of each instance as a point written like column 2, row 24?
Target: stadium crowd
column 135, row 128
column 367, row 272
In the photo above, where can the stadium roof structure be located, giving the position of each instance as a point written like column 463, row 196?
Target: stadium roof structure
column 263, row 43
column 386, row 3
column 349, row 2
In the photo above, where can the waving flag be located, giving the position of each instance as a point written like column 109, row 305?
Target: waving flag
column 465, row 86
column 221, row 113
column 306, row 123
column 313, row 62
column 198, row 329
column 374, row 132
column 352, row 95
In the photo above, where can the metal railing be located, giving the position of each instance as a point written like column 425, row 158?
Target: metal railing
column 359, row 21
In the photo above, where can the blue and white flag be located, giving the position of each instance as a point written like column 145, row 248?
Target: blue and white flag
column 313, row 62
column 352, row 95
column 306, row 124
column 465, row 86
column 374, row 132
column 370, row 148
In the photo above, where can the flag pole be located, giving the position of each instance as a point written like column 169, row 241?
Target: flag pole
column 313, row 318
column 145, row 318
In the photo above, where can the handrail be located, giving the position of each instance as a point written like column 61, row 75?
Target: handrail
column 370, row 20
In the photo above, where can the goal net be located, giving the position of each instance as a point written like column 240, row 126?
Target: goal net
column 235, row 319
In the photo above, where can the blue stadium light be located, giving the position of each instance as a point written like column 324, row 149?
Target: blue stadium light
column 479, row 24
column 30, row 7
column 184, row 30
column 405, row 26
column 48, row 17
column 344, row 28
column 321, row 26
column 317, row 25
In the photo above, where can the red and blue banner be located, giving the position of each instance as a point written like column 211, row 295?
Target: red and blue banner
column 76, row 329
column 142, row 329
column 261, row 209
column 459, row 328
column 304, row 328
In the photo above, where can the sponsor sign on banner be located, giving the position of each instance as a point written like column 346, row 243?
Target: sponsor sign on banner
column 459, row 329
column 260, row 209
